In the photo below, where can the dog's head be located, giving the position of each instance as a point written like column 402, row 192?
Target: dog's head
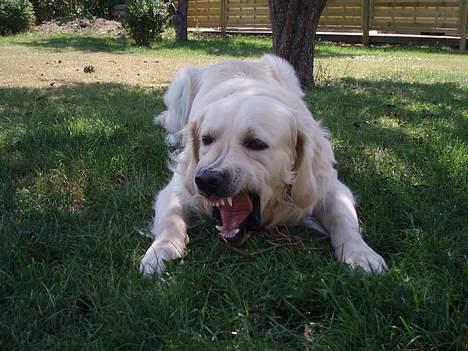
column 253, row 151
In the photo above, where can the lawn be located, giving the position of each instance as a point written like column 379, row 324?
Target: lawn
column 80, row 162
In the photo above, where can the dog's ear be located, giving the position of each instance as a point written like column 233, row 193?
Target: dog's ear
column 178, row 99
column 192, row 155
column 313, row 167
column 282, row 71
column 194, row 140
column 304, row 185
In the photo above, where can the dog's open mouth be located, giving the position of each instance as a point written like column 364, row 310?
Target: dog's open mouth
column 232, row 215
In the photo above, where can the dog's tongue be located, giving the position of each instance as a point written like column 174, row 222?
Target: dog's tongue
column 233, row 216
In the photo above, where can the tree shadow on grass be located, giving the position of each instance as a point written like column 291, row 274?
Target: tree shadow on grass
column 82, row 42
column 67, row 153
column 78, row 169
column 235, row 46
column 215, row 46
column 79, row 166
column 399, row 146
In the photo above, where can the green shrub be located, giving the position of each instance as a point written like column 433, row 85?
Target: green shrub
column 146, row 20
column 47, row 10
column 15, row 16
column 100, row 8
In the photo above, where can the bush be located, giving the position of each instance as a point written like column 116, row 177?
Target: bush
column 100, row 8
column 15, row 16
column 46, row 10
column 146, row 20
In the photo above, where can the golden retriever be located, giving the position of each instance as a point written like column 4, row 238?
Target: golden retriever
column 251, row 156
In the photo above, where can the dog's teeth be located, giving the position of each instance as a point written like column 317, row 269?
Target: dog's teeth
column 232, row 233
column 221, row 202
column 219, row 228
column 229, row 200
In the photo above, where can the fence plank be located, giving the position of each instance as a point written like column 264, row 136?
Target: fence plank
column 387, row 16
column 365, row 22
column 223, row 17
column 463, row 24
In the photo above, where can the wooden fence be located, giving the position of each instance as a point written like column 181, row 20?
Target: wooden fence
column 447, row 17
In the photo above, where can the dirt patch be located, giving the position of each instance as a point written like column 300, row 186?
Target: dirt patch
column 81, row 25
column 23, row 67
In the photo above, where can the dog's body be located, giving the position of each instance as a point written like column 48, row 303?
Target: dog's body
column 252, row 154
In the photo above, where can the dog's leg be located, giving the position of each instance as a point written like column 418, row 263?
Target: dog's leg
column 338, row 215
column 169, row 230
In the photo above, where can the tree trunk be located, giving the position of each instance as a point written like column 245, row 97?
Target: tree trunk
column 179, row 18
column 294, row 23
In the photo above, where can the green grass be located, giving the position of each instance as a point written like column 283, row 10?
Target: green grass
column 89, row 42
column 80, row 164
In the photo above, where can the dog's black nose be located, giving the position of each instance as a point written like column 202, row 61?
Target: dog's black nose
column 212, row 182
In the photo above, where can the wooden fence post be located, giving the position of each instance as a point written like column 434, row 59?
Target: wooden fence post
column 365, row 9
column 223, row 17
column 462, row 24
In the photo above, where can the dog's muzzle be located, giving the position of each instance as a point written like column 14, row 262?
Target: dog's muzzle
column 234, row 211
column 213, row 182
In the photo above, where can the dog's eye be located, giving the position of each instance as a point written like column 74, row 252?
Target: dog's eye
column 255, row 144
column 207, row 139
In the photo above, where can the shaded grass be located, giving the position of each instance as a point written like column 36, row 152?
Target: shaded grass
column 79, row 166
column 207, row 45
column 201, row 44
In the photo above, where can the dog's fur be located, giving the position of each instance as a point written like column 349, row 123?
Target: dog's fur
column 294, row 177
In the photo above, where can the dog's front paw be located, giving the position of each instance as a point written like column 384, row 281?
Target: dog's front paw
column 153, row 261
column 361, row 255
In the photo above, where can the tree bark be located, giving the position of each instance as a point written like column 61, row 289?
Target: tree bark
column 179, row 18
column 294, row 24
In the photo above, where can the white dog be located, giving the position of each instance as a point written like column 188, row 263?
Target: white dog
column 252, row 155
